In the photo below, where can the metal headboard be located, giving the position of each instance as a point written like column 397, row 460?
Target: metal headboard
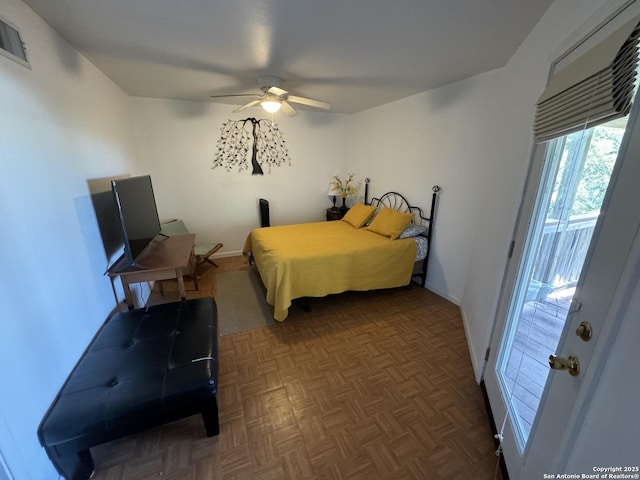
column 397, row 201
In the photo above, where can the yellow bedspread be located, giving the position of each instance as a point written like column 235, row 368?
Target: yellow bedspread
column 318, row 259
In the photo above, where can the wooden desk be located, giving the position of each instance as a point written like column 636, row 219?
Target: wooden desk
column 164, row 258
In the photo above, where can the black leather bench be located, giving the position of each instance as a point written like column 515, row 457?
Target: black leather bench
column 143, row 368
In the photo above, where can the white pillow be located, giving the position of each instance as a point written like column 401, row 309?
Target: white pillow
column 413, row 230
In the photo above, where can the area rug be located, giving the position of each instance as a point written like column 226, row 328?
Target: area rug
column 241, row 302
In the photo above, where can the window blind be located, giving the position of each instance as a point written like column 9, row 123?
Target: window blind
column 595, row 88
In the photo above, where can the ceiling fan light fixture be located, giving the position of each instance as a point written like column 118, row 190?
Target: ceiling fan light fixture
column 275, row 99
column 271, row 106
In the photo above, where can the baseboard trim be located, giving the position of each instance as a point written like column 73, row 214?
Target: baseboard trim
column 232, row 253
column 446, row 296
column 477, row 368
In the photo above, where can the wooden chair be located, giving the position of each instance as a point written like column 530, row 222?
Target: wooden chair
column 203, row 252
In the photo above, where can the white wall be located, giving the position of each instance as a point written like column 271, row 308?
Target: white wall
column 432, row 138
column 506, row 160
column 474, row 139
column 452, row 136
column 177, row 141
column 63, row 123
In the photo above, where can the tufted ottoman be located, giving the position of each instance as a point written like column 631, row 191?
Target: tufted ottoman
column 143, row 368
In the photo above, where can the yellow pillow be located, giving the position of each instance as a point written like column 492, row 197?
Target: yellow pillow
column 359, row 214
column 390, row 223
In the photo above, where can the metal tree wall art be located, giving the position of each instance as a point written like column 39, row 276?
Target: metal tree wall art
column 262, row 137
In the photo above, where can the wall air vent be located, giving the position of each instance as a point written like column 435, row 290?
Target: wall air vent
column 11, row 45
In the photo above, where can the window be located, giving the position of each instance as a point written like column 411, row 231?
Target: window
column 578, row 168
column 11, row 45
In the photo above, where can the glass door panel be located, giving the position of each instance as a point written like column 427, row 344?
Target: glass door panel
column 574, row 180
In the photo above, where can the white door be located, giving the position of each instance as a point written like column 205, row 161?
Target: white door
column 543, row 447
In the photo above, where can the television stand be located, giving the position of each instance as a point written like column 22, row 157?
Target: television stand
column 163, row 259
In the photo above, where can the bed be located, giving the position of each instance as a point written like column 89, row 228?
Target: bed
column 384, row 243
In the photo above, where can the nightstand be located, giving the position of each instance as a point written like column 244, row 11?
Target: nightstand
column 335, row 213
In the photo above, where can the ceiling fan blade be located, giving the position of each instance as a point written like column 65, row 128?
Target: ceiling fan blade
column 309, row 101
column 288, row 109
column 247, row 105
column 277, row 91
column 235, row 95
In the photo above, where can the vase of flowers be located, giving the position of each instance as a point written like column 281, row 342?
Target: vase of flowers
column 344, row 188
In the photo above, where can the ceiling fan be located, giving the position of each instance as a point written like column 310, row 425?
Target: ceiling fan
column 274, row 98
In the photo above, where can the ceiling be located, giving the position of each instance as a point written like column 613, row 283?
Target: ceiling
column 354, row 54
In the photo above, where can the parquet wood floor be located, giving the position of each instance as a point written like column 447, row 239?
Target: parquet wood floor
column 368, row 385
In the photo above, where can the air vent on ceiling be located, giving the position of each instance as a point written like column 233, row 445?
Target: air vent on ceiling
column 11, row 45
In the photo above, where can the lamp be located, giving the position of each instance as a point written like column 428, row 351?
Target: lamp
column 333, row 193
column 271, row 106
column 271, row 103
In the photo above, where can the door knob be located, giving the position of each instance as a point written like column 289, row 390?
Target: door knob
column 560, row 363
column 584, row 331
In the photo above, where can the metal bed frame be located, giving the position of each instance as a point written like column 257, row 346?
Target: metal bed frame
column 397, row 201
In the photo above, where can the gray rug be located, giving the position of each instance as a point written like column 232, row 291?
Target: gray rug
column 241, row 302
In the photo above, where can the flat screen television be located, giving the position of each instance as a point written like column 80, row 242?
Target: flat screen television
column 139, row 221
